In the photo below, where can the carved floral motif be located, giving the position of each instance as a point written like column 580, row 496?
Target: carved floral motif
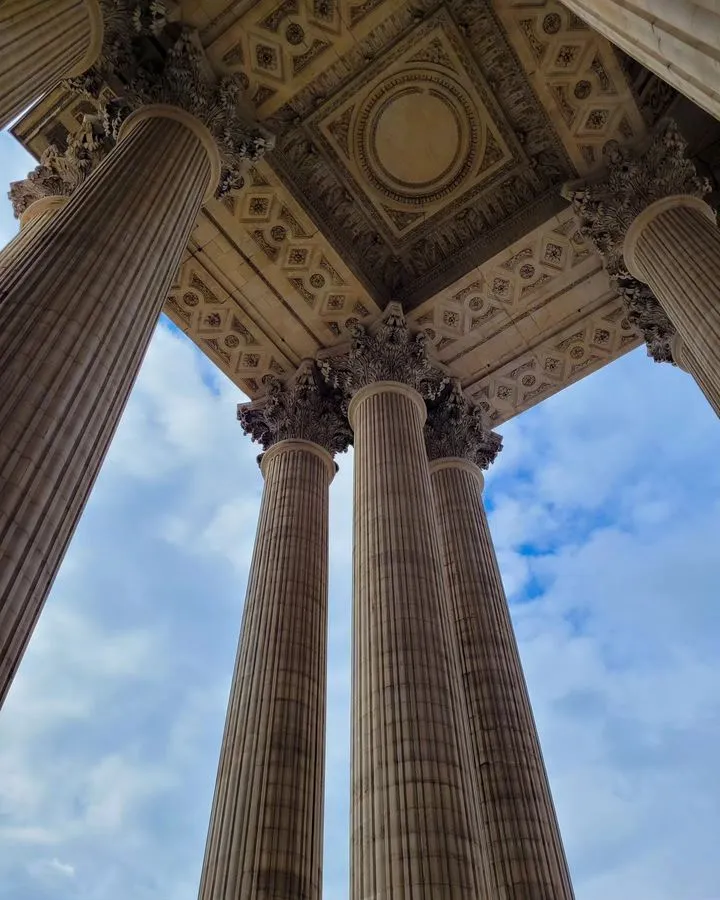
column 607, row 206
column 646, row 314
column 147, row 58
column 456, row 428
column 59, row 173
column 388, row 352
column 304, row 409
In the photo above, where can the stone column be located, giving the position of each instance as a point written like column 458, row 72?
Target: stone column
column 45, row 191
column 674, row 246
column 78, row 306
column 687, row 362
column 265, row 838
column 42, row 42
column 524, row 856
column 678, row 41
column 646, row 217
column 413, row 826
column 77, row 309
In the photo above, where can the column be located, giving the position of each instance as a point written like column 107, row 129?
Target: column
column 646, row 217
column 413, row 826
column 79, row 303
column 524, row 857
column 266, row 832
column 674, row 246
column 42, row 42
column 687, row 362
column 77, row 310
column 49, row 186
column 678, row 41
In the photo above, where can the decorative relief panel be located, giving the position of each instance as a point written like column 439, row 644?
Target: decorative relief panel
column 555, row 363
column 200, row 307
column 577, row 75
column 516, row 283
column 281, row 46
column 295, row 256
column 426, row 159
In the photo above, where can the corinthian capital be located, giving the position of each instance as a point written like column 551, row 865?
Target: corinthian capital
column 386, row 352
column 303, row 409
column 608, row 205
column 456, row 428
column 646, row 314
column 60, row 172
column 148, row 58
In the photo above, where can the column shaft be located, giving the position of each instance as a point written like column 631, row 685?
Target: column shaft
column 708, row 382
column 678, row 41
column 413, row 827
column 42, row 42
column 35, row 217
column 674, row 246
column 265, row 838
column 77, row 309
column 525, row 859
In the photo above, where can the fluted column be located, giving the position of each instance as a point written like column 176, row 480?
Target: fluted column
column 523, row 853
column 674, row 246
column 413, row 825
column 687, row 362
column 265, row 837
column 524, row 856
column 77, row 309
column 42, row 42
column 646, row 217
column 34, row 219
column 678, row 41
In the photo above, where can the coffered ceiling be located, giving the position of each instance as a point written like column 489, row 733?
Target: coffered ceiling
column 420, row 150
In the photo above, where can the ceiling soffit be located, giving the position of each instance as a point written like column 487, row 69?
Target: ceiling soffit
column 430, row 157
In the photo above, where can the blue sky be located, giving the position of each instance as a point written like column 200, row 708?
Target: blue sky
column 605, row 510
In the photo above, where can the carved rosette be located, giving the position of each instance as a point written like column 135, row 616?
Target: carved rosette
column 456, row 428
column 607, row 206
column 148, row 58
column 387, row 352
column 59, row 173
column 305, row 408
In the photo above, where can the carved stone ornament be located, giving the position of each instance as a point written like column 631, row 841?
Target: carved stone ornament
column 456, row 428
column 607, row 206
column 59, row 173
column 646, row 314
column 303, row 409
column 387, row 352
column 148, row 58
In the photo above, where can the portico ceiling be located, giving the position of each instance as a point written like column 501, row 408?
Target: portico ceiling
column 420, row 150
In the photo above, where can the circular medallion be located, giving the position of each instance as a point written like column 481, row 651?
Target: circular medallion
column 417, row 137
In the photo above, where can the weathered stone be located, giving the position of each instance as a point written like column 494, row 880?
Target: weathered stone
column 387, row 352
column 305, row 409
column 456, row 428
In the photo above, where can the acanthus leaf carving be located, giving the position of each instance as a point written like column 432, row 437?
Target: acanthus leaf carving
column 387, row 352
column 151, row 59
column 647, row 315
column 305, row 408
column 455, row 427
column 607, row 205
column 60, row 172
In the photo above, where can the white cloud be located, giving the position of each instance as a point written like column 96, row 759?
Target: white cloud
column 605, row 506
